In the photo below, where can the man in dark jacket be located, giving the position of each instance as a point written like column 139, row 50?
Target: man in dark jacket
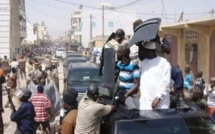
column 24, row 116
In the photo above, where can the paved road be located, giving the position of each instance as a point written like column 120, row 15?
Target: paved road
column 10, row 126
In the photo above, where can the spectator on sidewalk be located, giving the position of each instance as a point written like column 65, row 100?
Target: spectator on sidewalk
column 199, row 80
column 42, row 107
column 198, row 98
column 70, row 105
column 24, row 116
column 11, row 84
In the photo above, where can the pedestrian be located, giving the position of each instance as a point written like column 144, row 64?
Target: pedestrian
column 14, row 64
column 199, row 80
column 70, row 104
column 209, row 93
column 90, row 112
column 54, row 75
column 178, row 80
column 44, row 74
column 155, row 79
column 129, row 78
column 47, row 61
column 2, row 81
column 113, row 42
column 42, row 107
column 11, row 84
column 198, row 98
column 24, row 116
column 188, row 82
column 5, row 62
column 22, row 65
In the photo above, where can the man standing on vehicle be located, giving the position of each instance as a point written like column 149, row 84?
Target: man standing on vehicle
column 129, row 78
column 155, row 79
column 90, row 112
column 113, row 41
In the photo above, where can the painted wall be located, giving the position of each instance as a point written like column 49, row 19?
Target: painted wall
column 212, row 55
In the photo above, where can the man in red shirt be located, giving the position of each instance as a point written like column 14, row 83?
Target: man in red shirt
column 42, row 107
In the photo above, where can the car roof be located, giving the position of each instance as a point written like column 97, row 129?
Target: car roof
column 192, row 111
column 76, row 58
column 72, row 53
column 83, row 65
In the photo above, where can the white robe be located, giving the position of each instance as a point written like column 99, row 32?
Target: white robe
column 155, row 82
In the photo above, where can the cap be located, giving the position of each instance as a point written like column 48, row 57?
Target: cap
column 70, row 96
column 149, row 45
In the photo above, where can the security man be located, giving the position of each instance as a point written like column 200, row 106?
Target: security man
column 90, row 112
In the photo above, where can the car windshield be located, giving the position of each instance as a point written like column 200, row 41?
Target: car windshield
column 85, row 75
column 187, row 125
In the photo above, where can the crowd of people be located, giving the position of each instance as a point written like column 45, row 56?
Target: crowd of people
column 145, row 80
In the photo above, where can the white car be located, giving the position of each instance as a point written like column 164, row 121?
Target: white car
column 60, row 52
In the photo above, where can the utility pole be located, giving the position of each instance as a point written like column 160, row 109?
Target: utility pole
column 91, row 27
column 212, row 12
column 103, row 25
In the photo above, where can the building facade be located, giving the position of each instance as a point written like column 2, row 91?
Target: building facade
column 40, row 33
column 192, row 44
column 12, row 27
column 86, row 27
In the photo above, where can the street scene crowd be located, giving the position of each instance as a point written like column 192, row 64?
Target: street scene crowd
column 145, row 81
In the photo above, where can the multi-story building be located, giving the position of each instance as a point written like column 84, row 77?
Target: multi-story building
column 113, row 19
column 12, row 26
column 40, row 33
column 22, row 17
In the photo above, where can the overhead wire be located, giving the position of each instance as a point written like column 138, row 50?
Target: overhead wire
column 60, row 8
column 47, row 13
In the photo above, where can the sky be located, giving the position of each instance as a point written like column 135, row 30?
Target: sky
column 57, row 14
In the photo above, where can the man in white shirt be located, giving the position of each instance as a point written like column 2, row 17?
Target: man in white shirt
column 155, row 79
column 14, row 64
column 90, row 112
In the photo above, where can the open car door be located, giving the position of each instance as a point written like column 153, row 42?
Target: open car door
column 107, row 90
column 145, row 31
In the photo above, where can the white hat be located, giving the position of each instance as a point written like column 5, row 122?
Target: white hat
column 149, row 45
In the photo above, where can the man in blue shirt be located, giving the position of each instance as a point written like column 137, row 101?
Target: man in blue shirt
column 129, row 78
column 177, row 77
column 24, row 116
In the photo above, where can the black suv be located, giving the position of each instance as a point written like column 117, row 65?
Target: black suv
column 81, row 75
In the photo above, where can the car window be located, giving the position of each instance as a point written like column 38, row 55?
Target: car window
column 200, row 125
column 61, row 49
column 84, row 75
column 189, row 125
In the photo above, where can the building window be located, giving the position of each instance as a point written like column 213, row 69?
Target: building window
column 110, row 24
column 93, row 24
